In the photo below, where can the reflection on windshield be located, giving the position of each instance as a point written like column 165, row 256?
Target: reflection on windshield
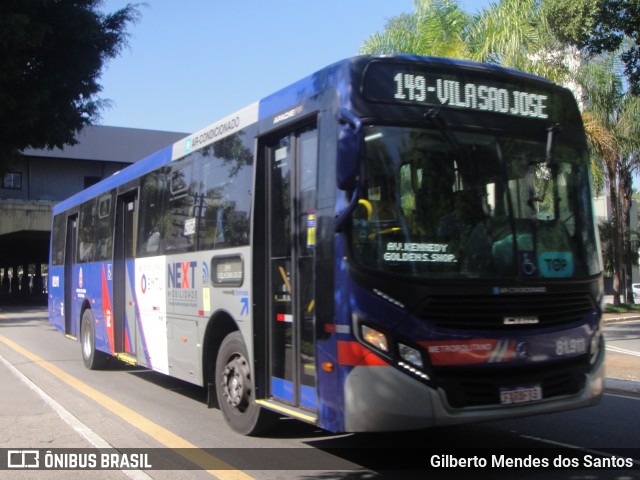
column 473, row 205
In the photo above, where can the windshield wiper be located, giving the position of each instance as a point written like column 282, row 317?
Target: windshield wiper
column 433, row 115
column 551, row 138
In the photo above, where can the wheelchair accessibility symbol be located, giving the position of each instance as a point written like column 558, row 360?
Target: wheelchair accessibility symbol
column 528, row 264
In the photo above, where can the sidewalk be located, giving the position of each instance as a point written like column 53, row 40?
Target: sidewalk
column 31, row 421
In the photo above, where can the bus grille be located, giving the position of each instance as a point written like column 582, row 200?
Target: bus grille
column 468, row 311
column 474, row 388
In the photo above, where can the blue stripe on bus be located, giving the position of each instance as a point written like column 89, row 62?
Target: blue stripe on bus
column 131, row 172
column 308, row 397
column 283, row 389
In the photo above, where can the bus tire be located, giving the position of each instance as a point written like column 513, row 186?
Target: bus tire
column 93, row 359
column 235, row 389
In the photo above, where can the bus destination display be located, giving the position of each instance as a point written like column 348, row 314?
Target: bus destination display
column 392, row 83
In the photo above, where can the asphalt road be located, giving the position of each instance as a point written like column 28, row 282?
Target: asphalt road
column 49, row 401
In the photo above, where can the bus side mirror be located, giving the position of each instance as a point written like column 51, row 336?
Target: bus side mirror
column 349, row 150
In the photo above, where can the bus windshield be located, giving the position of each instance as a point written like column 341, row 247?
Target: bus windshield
column 439, row 203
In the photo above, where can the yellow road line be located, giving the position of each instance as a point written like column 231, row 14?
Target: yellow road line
column 167, row 438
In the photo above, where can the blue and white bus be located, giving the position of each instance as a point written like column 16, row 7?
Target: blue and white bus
column 390, row 243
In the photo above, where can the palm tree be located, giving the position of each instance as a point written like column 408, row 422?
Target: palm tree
column 511, row 33
column 515, row 33
column 399, row 36
column 627, row 130
column 437, row 28
column 612, row 122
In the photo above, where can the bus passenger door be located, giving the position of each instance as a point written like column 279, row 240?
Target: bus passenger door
column 69, row 259
column 124, row 301
column 292, row 166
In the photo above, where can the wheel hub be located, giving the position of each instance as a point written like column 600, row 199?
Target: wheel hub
column 236, row 383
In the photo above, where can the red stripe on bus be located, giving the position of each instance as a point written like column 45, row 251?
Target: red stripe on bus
column 106, row 310
column 356, row 354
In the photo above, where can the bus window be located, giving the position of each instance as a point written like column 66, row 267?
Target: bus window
column 104, row 228
column 152, row 221
column 225, row 202
column 87, row 243
column 96, row 223
column 182, row 223
column 58, row 238
column 469, row 202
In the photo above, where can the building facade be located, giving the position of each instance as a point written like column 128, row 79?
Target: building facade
column 41, row 178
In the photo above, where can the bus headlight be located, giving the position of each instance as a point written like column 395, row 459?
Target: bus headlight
column 410, row 355
column 375, row 338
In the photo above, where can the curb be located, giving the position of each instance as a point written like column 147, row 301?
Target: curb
column 620, row 319
column 617, row 385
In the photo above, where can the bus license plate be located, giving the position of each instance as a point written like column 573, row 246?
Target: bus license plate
column 511, row 396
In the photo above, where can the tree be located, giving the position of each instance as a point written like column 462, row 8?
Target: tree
column 401, row 35
column 52, row 53
column 612, row 122
column 607, row 33
column 436, row 28
column 601, row 26
column 515, row 33
column 627, row 129
column 571, row 21
column 511, row 33
column 602, row 94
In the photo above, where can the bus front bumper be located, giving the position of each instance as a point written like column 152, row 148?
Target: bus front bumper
column 383, row 398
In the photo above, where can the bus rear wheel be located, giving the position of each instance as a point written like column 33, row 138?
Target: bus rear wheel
column 235, row 389
column 93, row 359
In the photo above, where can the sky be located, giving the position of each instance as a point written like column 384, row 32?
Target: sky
column 191, row 62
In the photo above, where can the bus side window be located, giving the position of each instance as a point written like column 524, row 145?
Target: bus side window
column 182, row 224
column 104, row 227
column 87, row 243
column 153, row 218
column 224, row 206
column 58, row 238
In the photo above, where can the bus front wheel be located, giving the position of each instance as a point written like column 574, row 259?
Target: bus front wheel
column 235, row 389
column 93, row 359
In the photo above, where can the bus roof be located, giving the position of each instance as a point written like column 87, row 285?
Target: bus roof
column 277, row 104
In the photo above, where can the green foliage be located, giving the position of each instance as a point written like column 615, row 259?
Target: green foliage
column 622, row 308
column 436, row 28
column 600, row 26
column 52, row 53
column 572, row 21
column 511, row 33
column 602, row 87
column 443, row 28
column 401, row 35
column 616, row 21
column 507, row 33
